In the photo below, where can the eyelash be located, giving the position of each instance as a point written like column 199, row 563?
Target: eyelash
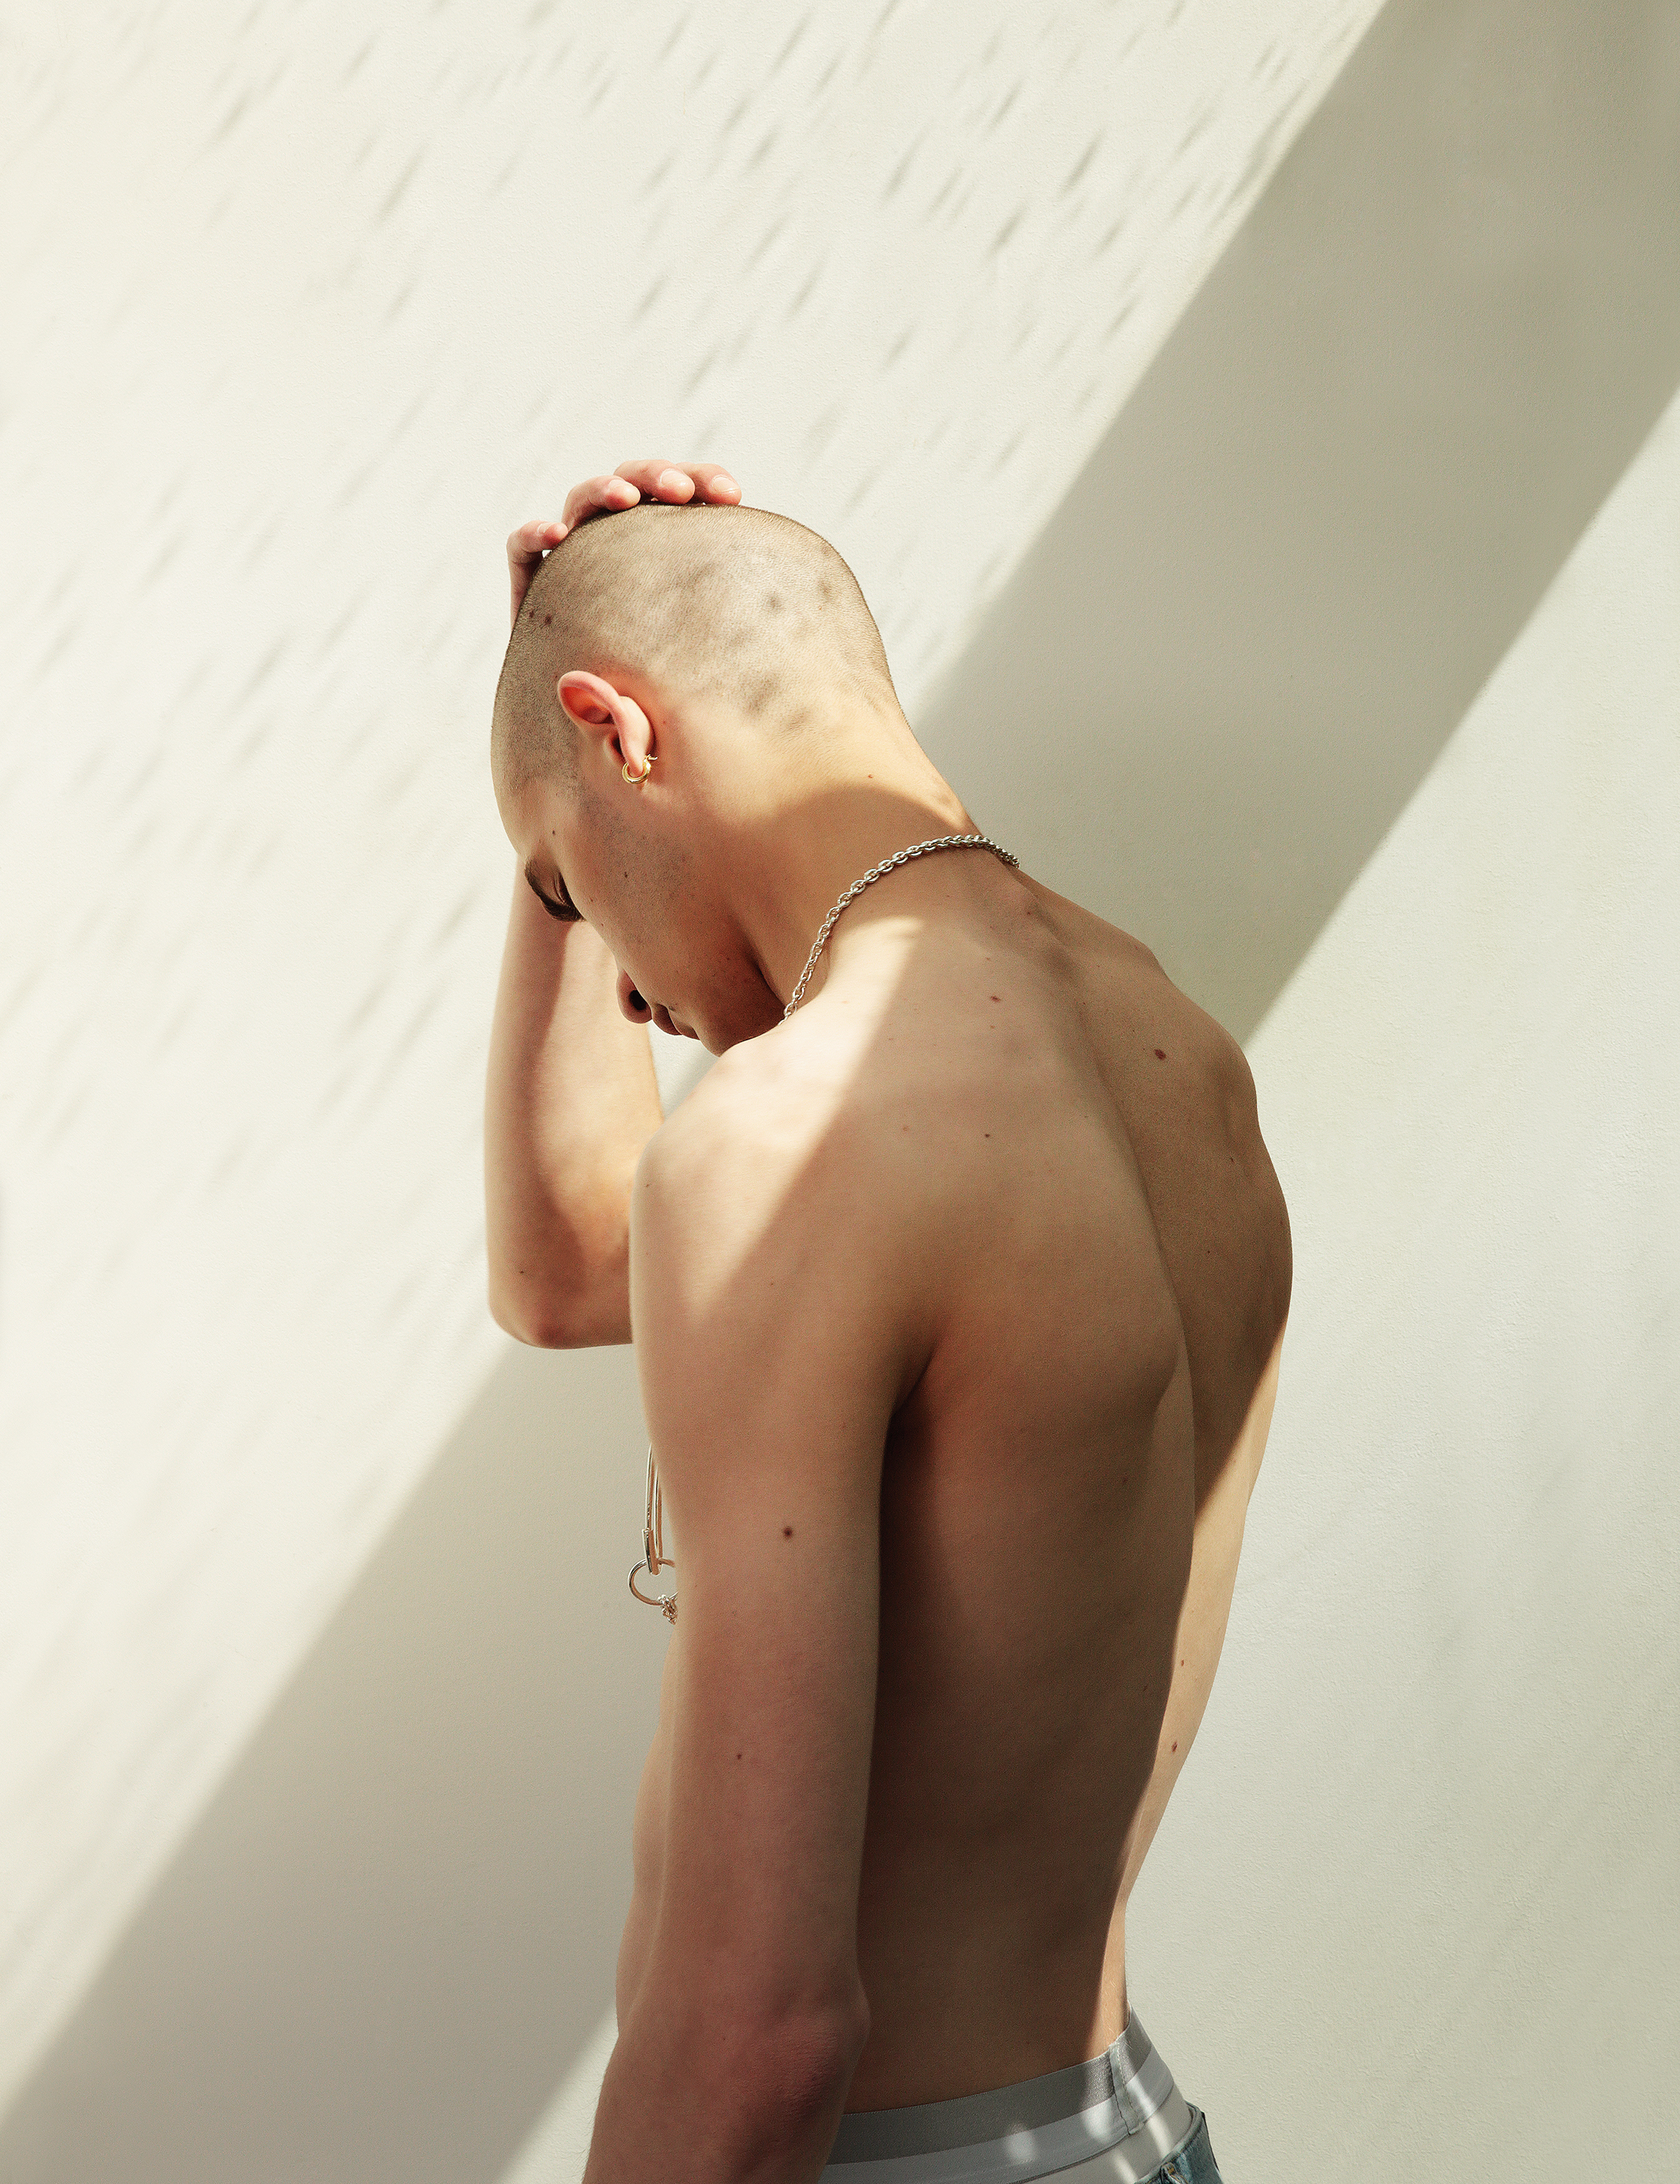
column 565, row 912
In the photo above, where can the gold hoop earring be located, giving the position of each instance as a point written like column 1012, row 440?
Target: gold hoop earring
column 636, row 780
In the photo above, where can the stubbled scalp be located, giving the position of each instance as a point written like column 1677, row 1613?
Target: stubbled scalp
column 734, row 604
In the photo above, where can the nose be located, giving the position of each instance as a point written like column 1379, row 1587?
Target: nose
column 630, row 1002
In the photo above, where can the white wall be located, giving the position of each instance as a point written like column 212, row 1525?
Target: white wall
column 305, row 305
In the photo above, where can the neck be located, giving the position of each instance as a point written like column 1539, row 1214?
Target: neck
column 804, row 857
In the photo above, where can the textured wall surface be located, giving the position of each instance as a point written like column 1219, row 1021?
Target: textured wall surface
column 314, row 301
column 310, row 307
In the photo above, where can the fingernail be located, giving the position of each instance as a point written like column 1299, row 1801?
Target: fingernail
column 674, row 479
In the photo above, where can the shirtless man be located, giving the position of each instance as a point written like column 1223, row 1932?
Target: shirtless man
column 958, row 1299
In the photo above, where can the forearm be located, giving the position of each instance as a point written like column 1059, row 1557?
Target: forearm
column 571, row 1099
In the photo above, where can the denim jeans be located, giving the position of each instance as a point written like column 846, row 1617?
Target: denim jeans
column 1193, row 2163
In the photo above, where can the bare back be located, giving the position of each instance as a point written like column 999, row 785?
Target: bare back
column 1104, row 1251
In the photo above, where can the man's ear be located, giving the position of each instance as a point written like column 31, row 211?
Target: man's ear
column 616, row 724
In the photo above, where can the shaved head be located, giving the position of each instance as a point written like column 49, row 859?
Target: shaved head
column 733, row 605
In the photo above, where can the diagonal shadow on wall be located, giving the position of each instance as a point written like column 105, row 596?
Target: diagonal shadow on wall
column 398, row 1917
column 1341, row 488
column 1212, row 685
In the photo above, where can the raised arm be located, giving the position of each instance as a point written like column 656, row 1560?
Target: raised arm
column 570, row 1098
column 570, row 1101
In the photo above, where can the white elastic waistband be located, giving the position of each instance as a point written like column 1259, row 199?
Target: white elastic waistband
column 1120, row 2113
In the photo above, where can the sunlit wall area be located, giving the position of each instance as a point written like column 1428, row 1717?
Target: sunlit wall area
column 315, row 303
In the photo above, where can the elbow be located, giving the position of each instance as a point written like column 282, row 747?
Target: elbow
column 566, row 1287
column 558, row 1319
column 771, row 2084
column 537, row 1330
column 797, row 2066
column 817, row 2049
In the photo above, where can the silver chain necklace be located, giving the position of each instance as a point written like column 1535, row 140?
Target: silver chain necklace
column 653, row 1533
column 878, row 872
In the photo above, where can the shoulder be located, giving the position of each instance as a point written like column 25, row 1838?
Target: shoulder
column 776, row 1113
column 774, row 1191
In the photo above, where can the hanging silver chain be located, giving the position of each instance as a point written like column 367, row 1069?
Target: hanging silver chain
column 878, row 872
column 653, row 1541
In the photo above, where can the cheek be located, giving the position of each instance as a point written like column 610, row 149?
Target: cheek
column 630, row 886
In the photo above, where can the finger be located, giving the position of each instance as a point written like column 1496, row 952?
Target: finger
column 526, row 547
column 659, row 478
column 535, row 537
column 714, row 483
column 528, row 544
column 598, row 496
